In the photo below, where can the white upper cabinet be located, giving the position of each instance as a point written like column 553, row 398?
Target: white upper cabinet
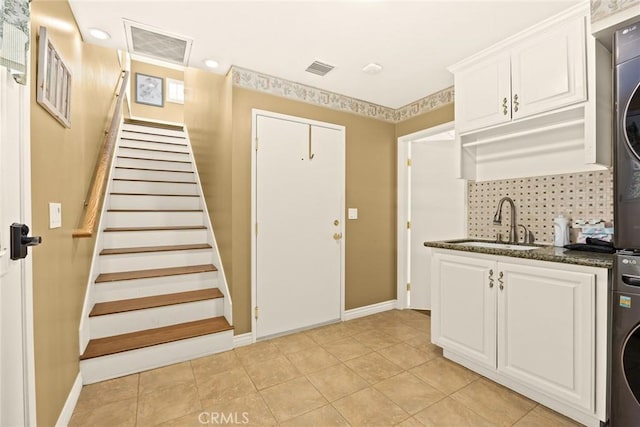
column 548, row 70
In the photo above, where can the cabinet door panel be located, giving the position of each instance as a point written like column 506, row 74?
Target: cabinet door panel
column 546, row 331
column 483, row 94
column 464, row 307
column 549, row 70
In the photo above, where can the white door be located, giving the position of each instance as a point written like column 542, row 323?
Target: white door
column 437, row 208
column 549, row 70
column 299, row 212
column 546, row 331
column 463, row 317
column 483, row 94
column 15, row 276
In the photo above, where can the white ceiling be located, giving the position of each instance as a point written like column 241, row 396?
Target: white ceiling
column 413, row 40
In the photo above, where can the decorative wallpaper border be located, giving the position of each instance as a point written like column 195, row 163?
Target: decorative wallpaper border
column 601, row 9
column 260, row 82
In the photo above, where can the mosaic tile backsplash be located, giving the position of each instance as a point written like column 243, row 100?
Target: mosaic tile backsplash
column 583, row 195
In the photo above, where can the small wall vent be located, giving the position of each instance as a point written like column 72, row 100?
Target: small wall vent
column 153, row 42
column 319, row 68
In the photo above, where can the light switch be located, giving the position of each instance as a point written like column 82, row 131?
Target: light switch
column 55, row 215
column 352, row 213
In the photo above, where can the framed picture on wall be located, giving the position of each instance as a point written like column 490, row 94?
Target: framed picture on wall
column 149, row 90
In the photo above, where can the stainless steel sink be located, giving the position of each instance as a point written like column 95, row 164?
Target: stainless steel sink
column 495, row 245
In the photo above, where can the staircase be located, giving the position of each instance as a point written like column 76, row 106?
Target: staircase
column 156, row 295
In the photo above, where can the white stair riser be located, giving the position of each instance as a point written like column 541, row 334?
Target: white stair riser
column 149, row 131
column 153, row 219
column 134, row 239
column 120, row 201
column 127, row 289
column 152, row 164
column 152, row 260
column 147, row 154
column 153, row 187
column 154, row 145
column 139, row 320
column 120, row 364
column 154, row 175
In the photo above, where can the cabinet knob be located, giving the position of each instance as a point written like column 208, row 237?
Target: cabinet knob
column 491, row 278
column 500, row 281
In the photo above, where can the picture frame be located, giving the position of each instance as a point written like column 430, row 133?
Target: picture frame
column 149, row 90
column 54, row 80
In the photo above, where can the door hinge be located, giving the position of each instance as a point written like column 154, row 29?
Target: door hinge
column 408, row 162
column 255, row 312
column 408, row 286
column 256, row 143
column 408, row 225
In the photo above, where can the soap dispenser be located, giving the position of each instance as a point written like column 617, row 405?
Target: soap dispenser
column 560, row 231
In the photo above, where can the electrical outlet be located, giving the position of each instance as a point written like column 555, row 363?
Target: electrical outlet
column 55, row 215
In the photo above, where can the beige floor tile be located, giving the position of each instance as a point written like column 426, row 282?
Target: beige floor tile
column 247, row 410
column 312, row 359
column 327, row 334
column 494, row 402
column 373, row 367
column 449, row 413
column 405, row 355
column 358, row 326
column 293, row 398
column 446, row 376
column 189, row 420
column 376, row 339
column 424, row 345
column 165, row 376
column 337, row 382
column 215, row 363
column 272, row 372
column 322, row 417
column 97, row 395
column 346, row 349
column 258, row 352
column 410, row 422
column 118, row 413
column 541, row 416
column 369, row 407
column 294, row 343
column 408, row 392
column 167, row 403
column 402, row 332
column 225, row 385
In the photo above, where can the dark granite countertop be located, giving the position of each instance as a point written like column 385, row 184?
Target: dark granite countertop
column 543, row 253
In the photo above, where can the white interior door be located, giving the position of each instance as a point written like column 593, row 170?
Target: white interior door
column 299, row 212
column 437, row 209
column 15, row 276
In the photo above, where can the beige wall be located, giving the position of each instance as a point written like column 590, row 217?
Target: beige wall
column 427, row 120
column 169, row 112
column 62, row 163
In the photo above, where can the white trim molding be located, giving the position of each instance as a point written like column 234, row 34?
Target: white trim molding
column 242, row 340
column 368, row 310
column 276, row 86
column 70, row 404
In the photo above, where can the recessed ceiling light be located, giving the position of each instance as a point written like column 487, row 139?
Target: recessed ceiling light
column 99, row 34
column 211, row 63
column 372, row 68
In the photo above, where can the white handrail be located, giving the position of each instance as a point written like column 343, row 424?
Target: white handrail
column 523, row 133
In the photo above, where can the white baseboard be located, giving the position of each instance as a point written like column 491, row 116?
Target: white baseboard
column 70, row 404
column 242, row 340
column 368, row 310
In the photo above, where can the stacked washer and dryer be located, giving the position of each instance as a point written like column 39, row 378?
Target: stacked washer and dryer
column 624, row 385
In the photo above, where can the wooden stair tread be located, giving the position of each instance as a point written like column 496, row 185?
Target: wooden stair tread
column 150, row 337
column 124, row 138
column 153, row 170
column 121, row 306
column 154, row 149
column 167, row 228
column 155, row 272
column 145, row 249
column 155, row 194
column 155, row 180
column 154, row 124
column 154, row 160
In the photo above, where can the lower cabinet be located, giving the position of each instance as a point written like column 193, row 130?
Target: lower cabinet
column 530, row 324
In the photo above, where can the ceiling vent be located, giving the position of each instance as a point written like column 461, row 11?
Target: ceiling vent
column 319, row 68
column 153, row 42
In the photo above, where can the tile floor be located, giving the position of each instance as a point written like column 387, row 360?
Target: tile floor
column 379, row 370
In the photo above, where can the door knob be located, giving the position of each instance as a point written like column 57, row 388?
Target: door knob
column 20, row 240
column 337, row 236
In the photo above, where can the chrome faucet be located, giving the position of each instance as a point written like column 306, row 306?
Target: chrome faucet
column 497, row 219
